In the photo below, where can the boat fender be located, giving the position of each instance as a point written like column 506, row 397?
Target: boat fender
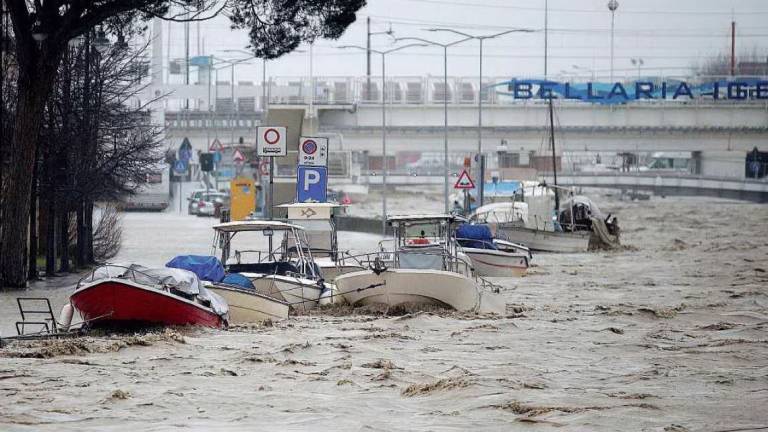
column 65, row 317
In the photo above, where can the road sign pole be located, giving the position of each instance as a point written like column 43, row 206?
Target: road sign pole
column 271, row 193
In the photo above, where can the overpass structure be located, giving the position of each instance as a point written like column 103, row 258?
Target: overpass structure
column 342, row 108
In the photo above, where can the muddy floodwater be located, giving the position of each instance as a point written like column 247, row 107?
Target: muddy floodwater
column 670, row 334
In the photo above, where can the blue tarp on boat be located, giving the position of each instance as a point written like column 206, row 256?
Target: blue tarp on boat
column 239, row 280
column 475, row 236
column 206, row 268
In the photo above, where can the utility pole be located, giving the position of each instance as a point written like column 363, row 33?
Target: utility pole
column 733, row 48
column 546, row 35
column 368, row 56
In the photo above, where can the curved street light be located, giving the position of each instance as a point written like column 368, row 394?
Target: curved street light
column 445, row 47
column 480, row 39
column 383, row 121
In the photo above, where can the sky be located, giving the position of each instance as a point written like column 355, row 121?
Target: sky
column 669, row 36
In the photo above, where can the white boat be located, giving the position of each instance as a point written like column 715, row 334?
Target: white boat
column 492, row 257
column 318, row 221
column 248, row 306
column 293, row 277
column 424, row 268
column 511, row 222
column 546, row 241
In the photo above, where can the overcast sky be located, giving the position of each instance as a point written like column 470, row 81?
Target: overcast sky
column 669, row 36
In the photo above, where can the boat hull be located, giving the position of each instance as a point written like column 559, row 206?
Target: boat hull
column 546, row 241
column 493, row 263
column 331, row 270
column 300, row 294
column 395, row 287
column 115, row 302
column 247, row 306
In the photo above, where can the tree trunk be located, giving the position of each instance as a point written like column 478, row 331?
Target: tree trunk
column 80, row 258
column 89, row 232
column 33, row 89
column 50, row 237
column 33, row 223
column 64, row 241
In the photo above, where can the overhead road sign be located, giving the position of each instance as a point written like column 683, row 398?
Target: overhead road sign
column 271, row 141
column 311, row 184
column 464, row 181
column 313, row 151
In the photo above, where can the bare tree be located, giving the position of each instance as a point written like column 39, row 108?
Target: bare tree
column 42, row 31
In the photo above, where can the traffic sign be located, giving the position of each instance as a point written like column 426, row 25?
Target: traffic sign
column 238, row 156
column 313, row 151
column 185, row 150
column 271, row 141
column 464, row 181
column 216, row 146
column 180, row 167
column 311, row 184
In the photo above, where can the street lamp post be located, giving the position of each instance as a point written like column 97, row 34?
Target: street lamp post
column 383, row 123
column 480, row 90
column 612, row 6
column 445, row 105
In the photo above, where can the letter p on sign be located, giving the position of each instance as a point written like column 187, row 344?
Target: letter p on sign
column 311, row 184
column 311, row 177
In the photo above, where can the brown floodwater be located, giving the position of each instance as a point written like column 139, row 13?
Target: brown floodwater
column 670, row 334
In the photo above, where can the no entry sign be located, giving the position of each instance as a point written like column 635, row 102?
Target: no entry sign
column 313, row 151
column 271, row 141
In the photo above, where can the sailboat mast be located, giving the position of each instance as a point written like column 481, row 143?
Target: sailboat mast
column 554, row 157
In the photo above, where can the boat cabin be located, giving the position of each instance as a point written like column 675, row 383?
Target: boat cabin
column 427, row 241
column 241, row 245
column 319, row 224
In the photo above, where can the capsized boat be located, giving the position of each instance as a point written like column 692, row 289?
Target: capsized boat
column 113, row 295
column 424, row 267
column 492, row 257
column 246, row 305
column 290, row 277
column 318, row 221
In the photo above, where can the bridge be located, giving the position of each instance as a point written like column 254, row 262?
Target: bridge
column 663, row 184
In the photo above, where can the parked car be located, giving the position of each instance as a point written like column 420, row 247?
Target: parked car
column 193, row 198
column 210, row 204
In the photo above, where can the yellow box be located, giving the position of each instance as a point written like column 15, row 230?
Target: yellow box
column 243, row 198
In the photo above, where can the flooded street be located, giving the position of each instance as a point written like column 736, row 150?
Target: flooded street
column 670, row 334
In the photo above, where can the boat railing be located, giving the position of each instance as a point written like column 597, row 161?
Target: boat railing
column 125, row 272
column 485, row 243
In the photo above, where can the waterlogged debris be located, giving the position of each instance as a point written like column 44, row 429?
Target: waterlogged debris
column 344, row 382
column 118, row 395
column 49, row 348
column 520, row 408
column 380, row 364
column 445, row 384
column 665, row 313
column 615, row 330
column 719, row 326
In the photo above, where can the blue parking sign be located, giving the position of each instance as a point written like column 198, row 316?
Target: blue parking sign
column 311, row 184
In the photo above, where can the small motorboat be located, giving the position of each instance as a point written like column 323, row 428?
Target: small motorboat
column 246, row 305
column 318, row 221
column 425, row 267
column 290, row 277
column 113, row 295
column 492, row 257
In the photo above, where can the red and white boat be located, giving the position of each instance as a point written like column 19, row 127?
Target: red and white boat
column 115, row 295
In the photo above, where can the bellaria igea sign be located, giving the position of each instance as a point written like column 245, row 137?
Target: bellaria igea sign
column 616, row 93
